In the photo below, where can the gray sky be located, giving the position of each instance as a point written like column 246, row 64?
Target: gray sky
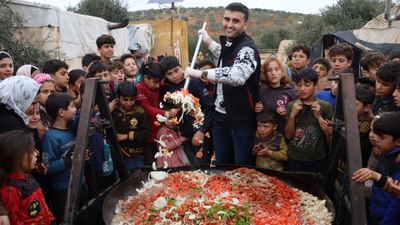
column 301, row 6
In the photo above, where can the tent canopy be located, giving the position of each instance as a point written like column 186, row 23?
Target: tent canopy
column 378, row 35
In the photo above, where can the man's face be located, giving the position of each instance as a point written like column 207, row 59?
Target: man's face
column 234, row 24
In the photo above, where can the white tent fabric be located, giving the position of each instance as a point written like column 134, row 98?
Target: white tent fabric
column 378, row 29
column 141, row 38
column 77, row 33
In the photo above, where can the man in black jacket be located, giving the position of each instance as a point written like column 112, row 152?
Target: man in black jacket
column 237, row 79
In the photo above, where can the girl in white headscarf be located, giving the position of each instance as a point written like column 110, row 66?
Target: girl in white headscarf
column 28, row 70
column 6, row 65
column 16, row 95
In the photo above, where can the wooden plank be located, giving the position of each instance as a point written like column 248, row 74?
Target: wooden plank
column 78, row 161
column 358, row 210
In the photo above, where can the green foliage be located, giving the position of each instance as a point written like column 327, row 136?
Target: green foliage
column 272, row 36
column 345, row 15
column 22, row 49
column 110, row 10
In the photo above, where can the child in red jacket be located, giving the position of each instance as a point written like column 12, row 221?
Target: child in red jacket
column 148, row 98
column 20, row 192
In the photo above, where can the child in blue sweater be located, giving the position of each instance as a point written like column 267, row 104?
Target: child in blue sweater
column 384, row 207
column 58, row 145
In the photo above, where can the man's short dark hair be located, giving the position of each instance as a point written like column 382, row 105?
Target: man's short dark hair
column 168, row 63
column 238, row 7
column 365, row 94
column 307, row 74
column 388, row 123
column 89, row 58
column 126, row 89
column 57, row 101
column 53, row 65
column 302, row 47
column 104, row 39
column 389, row 71
column 323, row 62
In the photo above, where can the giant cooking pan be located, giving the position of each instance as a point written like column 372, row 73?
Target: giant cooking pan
column 128, row 187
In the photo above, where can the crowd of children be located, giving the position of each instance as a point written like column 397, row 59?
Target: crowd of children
column 292, row 132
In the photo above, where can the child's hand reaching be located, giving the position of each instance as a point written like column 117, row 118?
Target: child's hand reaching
column 198, row 138
column 364, row 174
column 40, row 168
column 4, row 220
column 376, row 152
column 113, row 104
column 281, row 110
column 393, row 187
column 316, row 108
column 256, row 148
column 265, row 152
column 297, row 106
column 173, row 113
column 183, row 139
column 258, row 107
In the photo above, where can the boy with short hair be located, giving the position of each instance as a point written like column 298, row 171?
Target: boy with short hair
column 300, row 59
column 385, row 86
column 99, row 69
column 117, row 76
column 58, row 71
column 58, row 144
column 132, row 125
column 175, row 81
column 370, row 62
column 88, row 59
column 105, row 46
column 322, row 66
column 307, row 127
column 270, row 147
column 384, row 208
column 364, row 98
column 340, row 57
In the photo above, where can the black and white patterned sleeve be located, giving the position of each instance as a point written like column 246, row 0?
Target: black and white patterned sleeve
column 215, row 49
column 245, row 64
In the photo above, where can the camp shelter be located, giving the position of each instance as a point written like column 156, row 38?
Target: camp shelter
column 378, row 34
column 171, row 38
column 68, row 36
